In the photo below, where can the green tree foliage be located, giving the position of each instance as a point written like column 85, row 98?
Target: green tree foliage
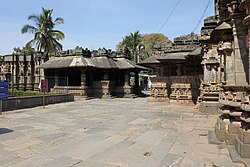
column 45, row 36
column 133, row 43
column 149, row 40
column 141, row 46
column 25, row 50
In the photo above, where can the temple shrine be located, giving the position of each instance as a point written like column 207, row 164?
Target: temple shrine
column 101, row 73
column 211, row 70
column 21, row 70
column 178, row 69
column 225, row 39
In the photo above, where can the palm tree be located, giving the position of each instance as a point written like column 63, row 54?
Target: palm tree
column 133, row 43
column 45, row 36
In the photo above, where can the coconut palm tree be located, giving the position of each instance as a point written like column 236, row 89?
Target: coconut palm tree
column 45, row 36
column 133, row 43
column 134, row 40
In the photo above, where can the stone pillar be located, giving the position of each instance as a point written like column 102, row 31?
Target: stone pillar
column 29, row 84
column 83, row 84
column 246, row 6
column 230, row 127
column 32, row 71
column 227, row 60
column 16, row 72
column 41, row 71
column 222, row 67
column 137, row 90
column 22, row 75
column 239, row 72
column 127, row 78
column 106, row 85
column 179, row 70
column 37, row 75
column 83, row 78
column 127, row 87
column 56, row 79
column 29, row 77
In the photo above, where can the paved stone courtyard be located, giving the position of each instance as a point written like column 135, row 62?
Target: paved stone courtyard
column 109, row 133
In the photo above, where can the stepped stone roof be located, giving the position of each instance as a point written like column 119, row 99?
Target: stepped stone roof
column 124, row 63
column 64, row 62
column 173, row 56
column 151, row 60
column 180, row 49
column 196, row 52
column 102, row 62
column 224, row 26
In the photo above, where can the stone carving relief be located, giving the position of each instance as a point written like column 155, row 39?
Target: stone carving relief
column 159, row 89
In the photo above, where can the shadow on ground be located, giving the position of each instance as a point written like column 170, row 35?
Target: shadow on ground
column 5, row 130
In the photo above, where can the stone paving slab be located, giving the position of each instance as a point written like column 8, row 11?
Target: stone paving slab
column 109, row 133
column 172, row 160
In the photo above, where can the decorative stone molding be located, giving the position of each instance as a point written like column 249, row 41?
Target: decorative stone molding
column 233, row 126
column 159, row 89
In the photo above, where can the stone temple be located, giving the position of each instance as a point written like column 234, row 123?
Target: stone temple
column 100, row 73
column 210, row 70
column 222, row 50
column 231, row 36
column 178, row 70
column 22, row 70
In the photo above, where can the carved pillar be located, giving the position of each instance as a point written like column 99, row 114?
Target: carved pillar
column 127, row 87
column 83, row 78
column 245, row 5
column 106, row 85
column 56, row 78
column 32, row 72
column 127, row 78
column 137, row 83
column 22, row 75
column 41, row 70
column 29, row 77
column 37, row 75
column 179, row 69
column 233, row 125
column 240, row 57
column 83, row 83
column 16, row 72
column 227, row 55
column 223, row 58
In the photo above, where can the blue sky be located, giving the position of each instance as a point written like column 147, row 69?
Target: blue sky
column 100, row 23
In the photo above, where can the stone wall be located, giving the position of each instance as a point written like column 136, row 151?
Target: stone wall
column 233, row 125
column 160, row 89
column 99, row 89
column 15, row 103
column 177, row 89
column 22, row 70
